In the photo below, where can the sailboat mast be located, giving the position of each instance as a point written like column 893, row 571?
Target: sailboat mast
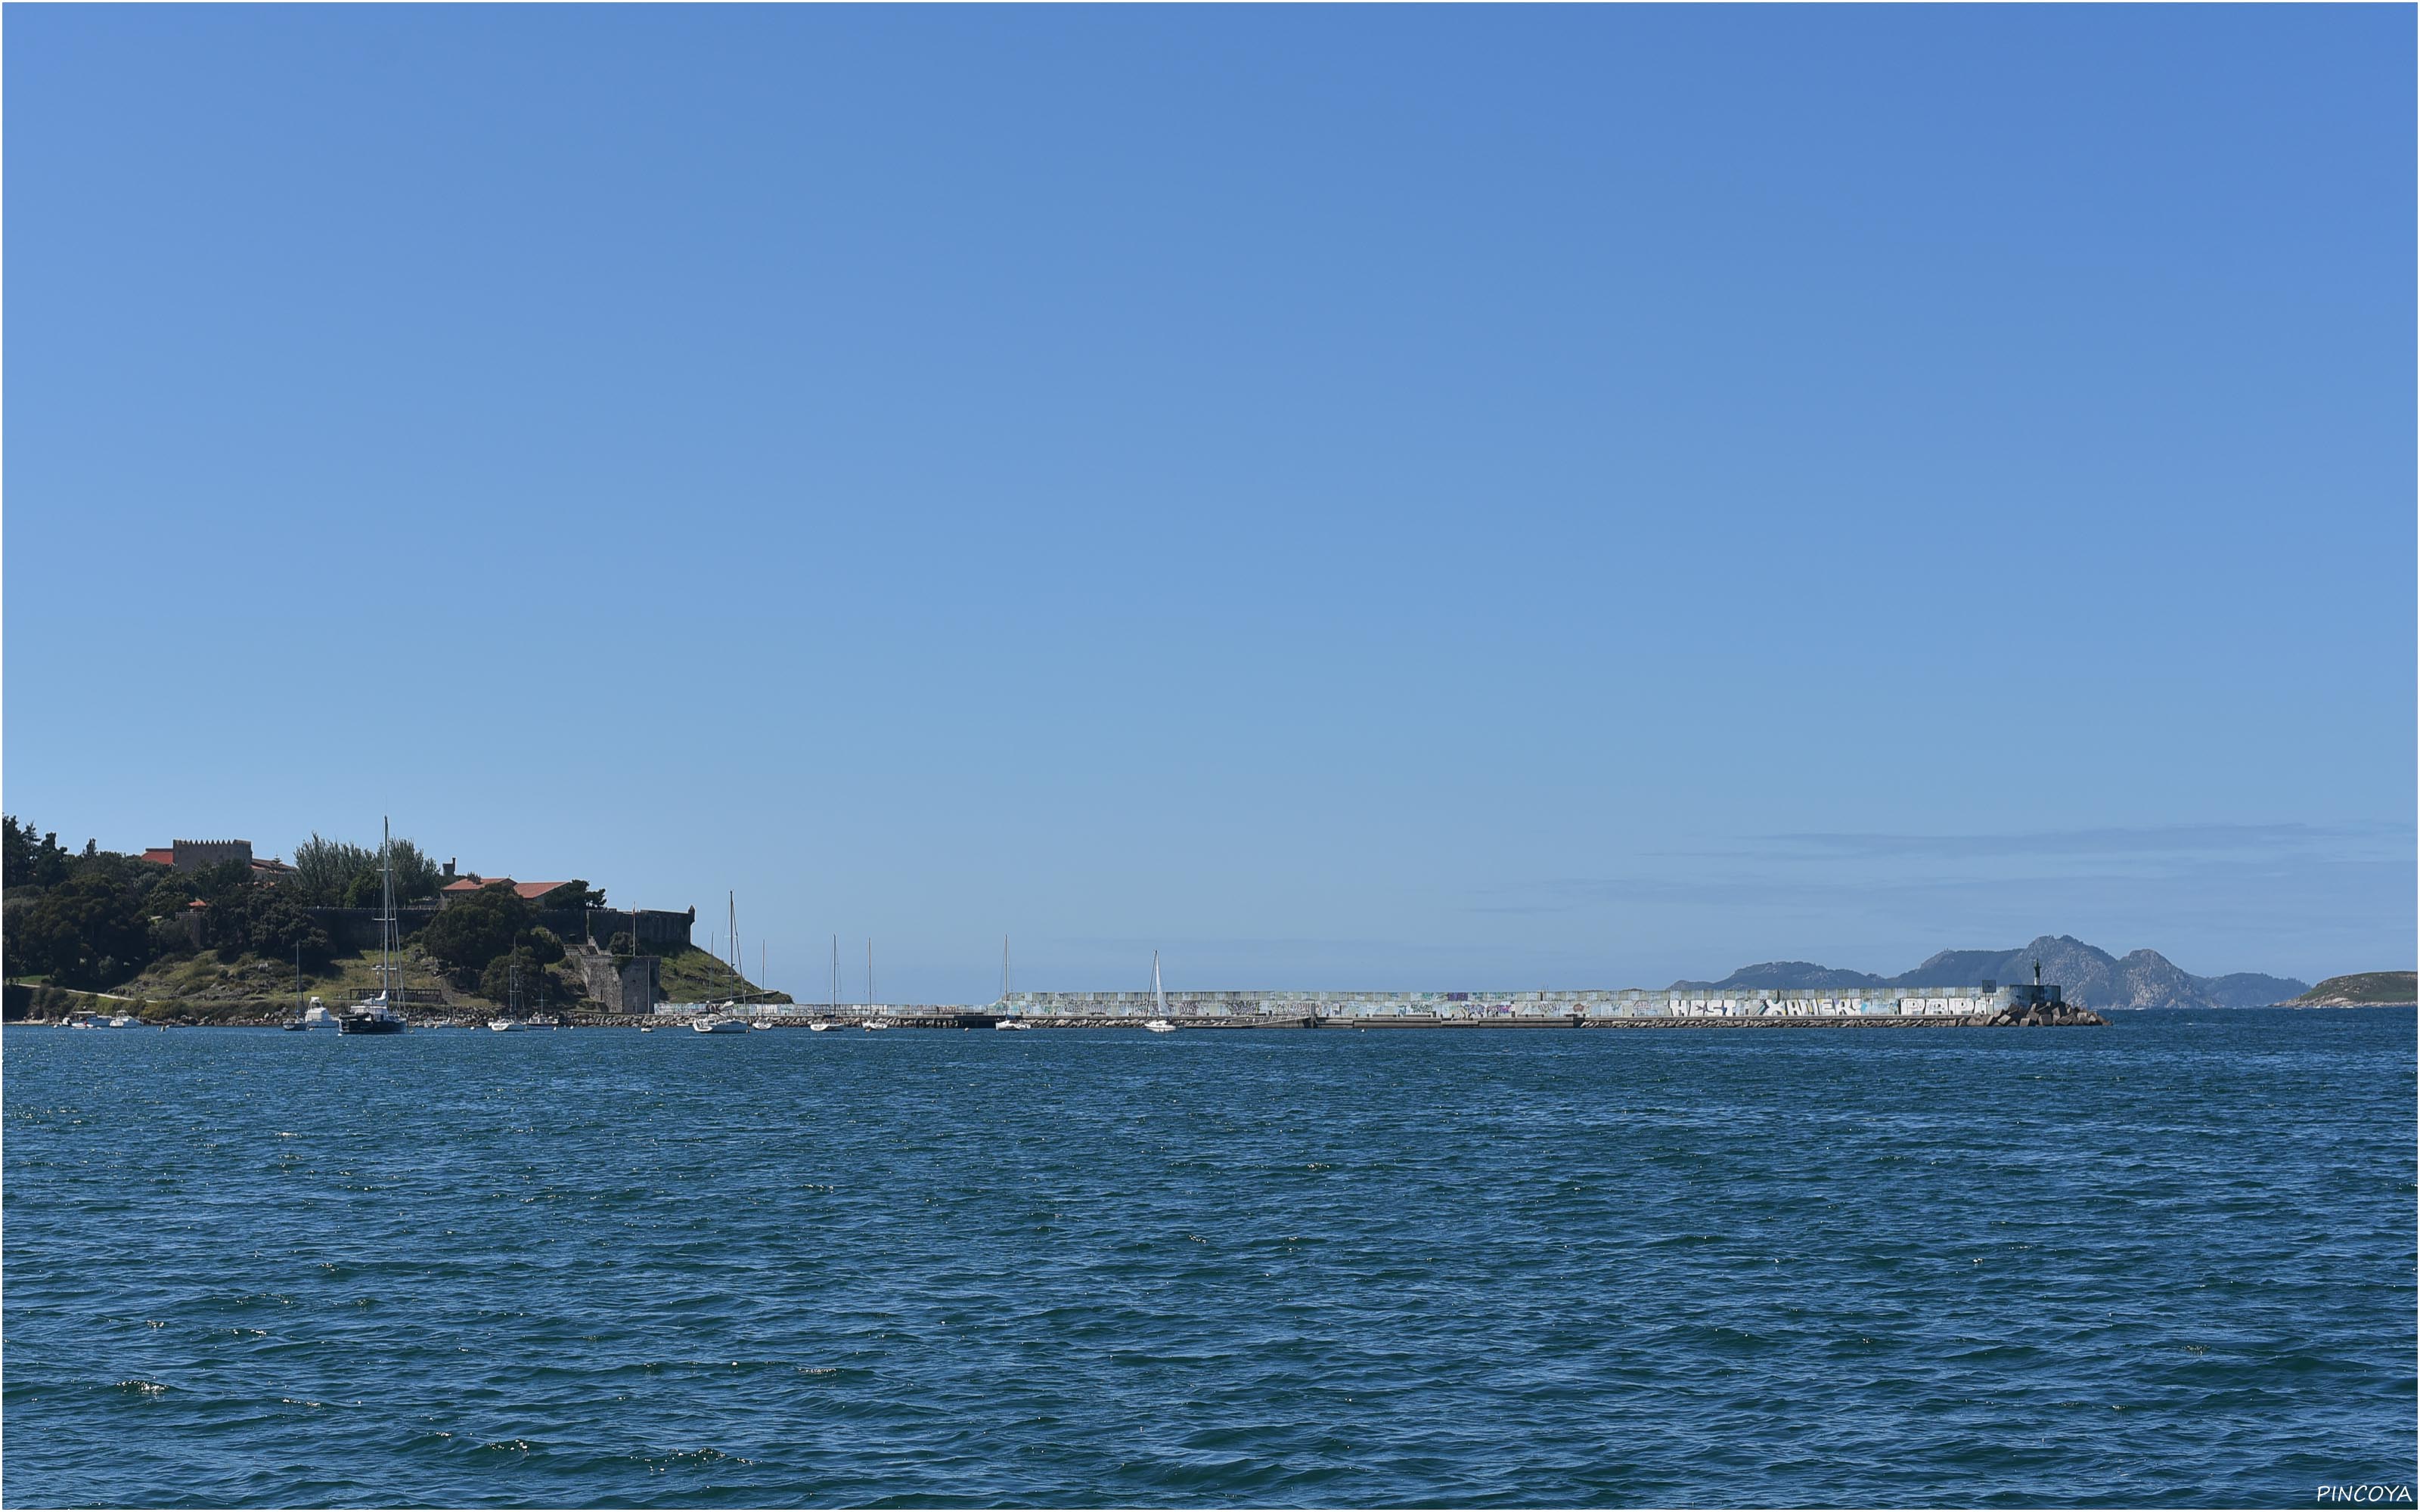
column 1158, row 996
column 386, row 910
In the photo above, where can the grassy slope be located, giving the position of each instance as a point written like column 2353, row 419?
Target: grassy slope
column 691, row 976
column 203, row 986
column 2367, row 987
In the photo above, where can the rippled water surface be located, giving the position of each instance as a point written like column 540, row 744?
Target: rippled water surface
column 2168, row 1261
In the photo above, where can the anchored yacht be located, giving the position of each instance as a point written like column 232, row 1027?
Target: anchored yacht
column 381, row 1014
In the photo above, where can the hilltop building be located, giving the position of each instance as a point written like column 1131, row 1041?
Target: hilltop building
column 471, row 882
column 200, row 855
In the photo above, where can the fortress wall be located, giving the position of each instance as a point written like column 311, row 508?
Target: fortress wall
column 357, row 929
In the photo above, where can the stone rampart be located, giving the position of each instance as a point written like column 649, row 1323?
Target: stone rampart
column 357, row 929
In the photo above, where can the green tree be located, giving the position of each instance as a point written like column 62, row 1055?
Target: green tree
column 416, row 874
column 337, row 873
column 86, row 931
column 28, row 862
column 215, row 884
column 537, row 984
column 324, row 869
column 471, row 931
column 167, row 897
column 267, row 922
column 576, row 893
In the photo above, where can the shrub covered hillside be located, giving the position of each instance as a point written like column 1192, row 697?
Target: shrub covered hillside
column 93, row 921
column 93, row 918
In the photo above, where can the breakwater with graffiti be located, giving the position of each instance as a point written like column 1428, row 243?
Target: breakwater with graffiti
column 1983, row 1004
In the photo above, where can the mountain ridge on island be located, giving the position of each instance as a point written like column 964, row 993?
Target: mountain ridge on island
column 2088, row 976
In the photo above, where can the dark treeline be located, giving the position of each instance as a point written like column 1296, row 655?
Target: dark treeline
column 93, row 918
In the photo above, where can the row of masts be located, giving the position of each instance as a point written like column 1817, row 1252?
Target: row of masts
column 1007, row 973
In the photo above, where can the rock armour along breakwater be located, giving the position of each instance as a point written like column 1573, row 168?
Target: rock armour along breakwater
column 1985, row 1005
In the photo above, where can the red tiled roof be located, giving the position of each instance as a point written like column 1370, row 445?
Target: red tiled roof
column 532, row 890
column 164, row 855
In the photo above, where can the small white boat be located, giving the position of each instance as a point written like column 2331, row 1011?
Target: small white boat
column 762, row 1024
column 87, row 1021
column 1158, row 1000
column 507, row 1025
column 122, row 1021
column 871, row 1024
column 545, row 1021
column 818, row 1026
column 721, row 1026
column 1011, row 1024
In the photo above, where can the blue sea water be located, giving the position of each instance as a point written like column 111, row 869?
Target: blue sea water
column 2171, row 1261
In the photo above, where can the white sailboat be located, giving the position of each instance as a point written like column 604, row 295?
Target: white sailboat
column 295, row 1025
column 1006, row 983
column 1158, row 1024
column 383, row 1014
column 511, row 1022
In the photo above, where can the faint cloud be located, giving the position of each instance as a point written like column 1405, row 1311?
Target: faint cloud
column 2158, row 840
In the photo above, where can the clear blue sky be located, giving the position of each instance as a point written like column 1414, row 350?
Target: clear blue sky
column 1393, row 497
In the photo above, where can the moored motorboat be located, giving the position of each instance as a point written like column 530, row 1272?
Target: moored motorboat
column 1160, row 1026
column 507, row 1025
column 1011, row 1024
column 871, row 1025
column 721, row 1026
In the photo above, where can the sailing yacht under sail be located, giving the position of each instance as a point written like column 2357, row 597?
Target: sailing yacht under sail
column 1158, row 1024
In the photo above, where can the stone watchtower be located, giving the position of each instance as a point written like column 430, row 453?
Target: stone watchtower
column 199, row 855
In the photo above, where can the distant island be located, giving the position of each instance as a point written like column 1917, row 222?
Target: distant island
column 2363, row 989
column 2092, row 977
